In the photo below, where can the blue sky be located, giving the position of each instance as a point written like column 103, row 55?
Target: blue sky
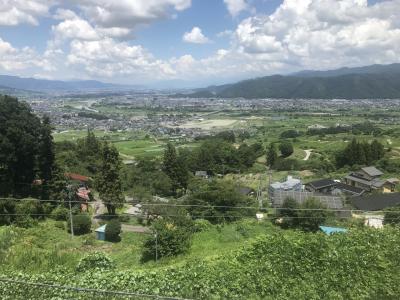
column 192, row 42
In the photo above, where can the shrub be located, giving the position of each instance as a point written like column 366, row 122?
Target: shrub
column 81, row 224
column 312, row 214
column 286, row 148
column 113, row 230
column 392, row 216
column 60, row 213
column 201, row 225
column 28, row 211
column 95, row 261
column 169, row 239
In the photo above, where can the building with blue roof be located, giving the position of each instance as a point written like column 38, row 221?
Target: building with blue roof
column 331, row 230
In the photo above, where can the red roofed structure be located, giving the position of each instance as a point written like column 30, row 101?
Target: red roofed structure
column 77, row 177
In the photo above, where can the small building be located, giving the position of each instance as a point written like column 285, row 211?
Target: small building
column 202, row 174
column 331, row 230
column 101, row 233
column 367, row 178
column 348, row 190
column 291, row 184
column 322, row 186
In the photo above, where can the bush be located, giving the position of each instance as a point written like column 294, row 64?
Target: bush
column 95, row 261
column 286, row 148
column 81, row 224
column 312, row 214
column 28, row 211
column 392, row 216
column 169, row 239
column 201, row 225
column 113, row 230
column 60, row 213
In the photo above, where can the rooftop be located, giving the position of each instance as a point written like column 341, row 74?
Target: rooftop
column 318, row 184
column 372, row 171
column 289, row 184
column 376, row 202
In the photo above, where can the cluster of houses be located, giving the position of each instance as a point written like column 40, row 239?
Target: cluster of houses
column 366, row 190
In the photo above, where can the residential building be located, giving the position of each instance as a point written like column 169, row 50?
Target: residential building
column 369, row 179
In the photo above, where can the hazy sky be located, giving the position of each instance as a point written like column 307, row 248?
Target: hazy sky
column 192, row 42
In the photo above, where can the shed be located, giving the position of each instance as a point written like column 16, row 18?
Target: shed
column 330, row 230
column 101, row 233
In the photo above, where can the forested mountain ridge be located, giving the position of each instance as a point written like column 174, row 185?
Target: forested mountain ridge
column 372, row 82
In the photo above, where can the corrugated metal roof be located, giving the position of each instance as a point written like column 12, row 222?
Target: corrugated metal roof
column 101, row 228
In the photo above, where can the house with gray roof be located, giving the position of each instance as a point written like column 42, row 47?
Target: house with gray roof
column 369, row 179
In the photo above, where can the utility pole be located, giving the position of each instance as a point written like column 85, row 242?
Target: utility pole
column 70, row 193
column 155, row 235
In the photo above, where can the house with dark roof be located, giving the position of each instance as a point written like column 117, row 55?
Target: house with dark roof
column 347, row 190
column 332, row 187
column 322, row 186
column 376, row 202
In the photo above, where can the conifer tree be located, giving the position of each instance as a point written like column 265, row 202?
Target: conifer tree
column 272, row 155
column 108, row 182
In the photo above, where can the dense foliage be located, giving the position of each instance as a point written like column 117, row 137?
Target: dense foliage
column 26, row 150
column 170, row 237
column 218, row 201
column 81, row 224
column 286, row 148
column 308, row 216
column 392, row 216
column 282, row 265
column 108, row 180
column 113, row 231
column 96, row 261
column 360, row 153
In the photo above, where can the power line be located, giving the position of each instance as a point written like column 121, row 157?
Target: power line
column 80, row 289
column 213, row 206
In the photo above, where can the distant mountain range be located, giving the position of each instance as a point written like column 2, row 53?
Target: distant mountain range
column 43, row 85
column 370, row 82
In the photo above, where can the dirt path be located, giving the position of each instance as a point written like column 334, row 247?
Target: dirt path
column 137, row 229
column 98, row 209
column 308, row 154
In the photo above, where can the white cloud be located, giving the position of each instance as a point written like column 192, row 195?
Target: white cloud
column 13, row 59
column 73, row 27
column 107, row 58
column 195, row 36
column 236, row 6
column 14, row 12
column 307, row 34
column 123, row 16
column 323, row 34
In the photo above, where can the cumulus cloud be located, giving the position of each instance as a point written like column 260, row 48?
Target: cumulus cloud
column 123, row 16
column 195, row 36
column 236, row 6
column 14, row 12
column 107, row 58
column 13, row 59
column 323, row 34
column 307, row 34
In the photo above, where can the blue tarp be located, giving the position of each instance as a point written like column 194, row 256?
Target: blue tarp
column 329, row 230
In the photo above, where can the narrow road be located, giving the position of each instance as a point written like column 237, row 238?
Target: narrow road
column 137, row 229
column 308, row 154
